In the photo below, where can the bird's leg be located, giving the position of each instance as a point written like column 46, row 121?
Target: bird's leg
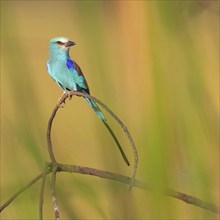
column 69, row 95
column 61, row 102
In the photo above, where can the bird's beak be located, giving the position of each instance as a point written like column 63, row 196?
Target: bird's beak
column 70, row 43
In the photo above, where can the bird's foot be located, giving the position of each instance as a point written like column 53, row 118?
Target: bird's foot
column 69, row 95
column 61, row 101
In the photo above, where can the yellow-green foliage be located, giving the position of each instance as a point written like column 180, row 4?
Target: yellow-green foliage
column 154, row 63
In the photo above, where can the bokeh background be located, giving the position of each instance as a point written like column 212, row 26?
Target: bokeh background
column 154, row 63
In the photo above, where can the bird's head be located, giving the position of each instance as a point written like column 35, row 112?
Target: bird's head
column 60, row 44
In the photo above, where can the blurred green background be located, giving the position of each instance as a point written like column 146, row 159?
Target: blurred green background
column 154, row 63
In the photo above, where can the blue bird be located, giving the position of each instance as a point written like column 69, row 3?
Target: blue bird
column 68, row 75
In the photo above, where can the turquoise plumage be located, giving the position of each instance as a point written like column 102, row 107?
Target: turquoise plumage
column 68, row 75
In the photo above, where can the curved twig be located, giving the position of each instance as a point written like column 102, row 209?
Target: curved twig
column 122, row 125
column 49, row 142
column 54, row 167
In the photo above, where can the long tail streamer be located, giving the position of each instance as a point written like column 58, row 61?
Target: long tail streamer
column 102, row 117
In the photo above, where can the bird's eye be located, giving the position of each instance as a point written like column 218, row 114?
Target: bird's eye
column 60, row 43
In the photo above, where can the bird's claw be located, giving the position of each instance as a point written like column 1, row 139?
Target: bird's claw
column 61, row 101
column 69, row 95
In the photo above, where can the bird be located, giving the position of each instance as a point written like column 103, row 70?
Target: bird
column 68, row 75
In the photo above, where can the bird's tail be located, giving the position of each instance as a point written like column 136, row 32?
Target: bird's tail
column 102, row 117
column 96, row 109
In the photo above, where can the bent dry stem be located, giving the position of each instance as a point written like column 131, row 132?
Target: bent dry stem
column 115, row 177
column 53, row 167
column 122, row 125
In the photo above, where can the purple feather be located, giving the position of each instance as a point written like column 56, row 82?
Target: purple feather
column 69, row 63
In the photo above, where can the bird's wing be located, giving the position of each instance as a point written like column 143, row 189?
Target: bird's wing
column 49, row 70
column 79, row 78
column 54, row 78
